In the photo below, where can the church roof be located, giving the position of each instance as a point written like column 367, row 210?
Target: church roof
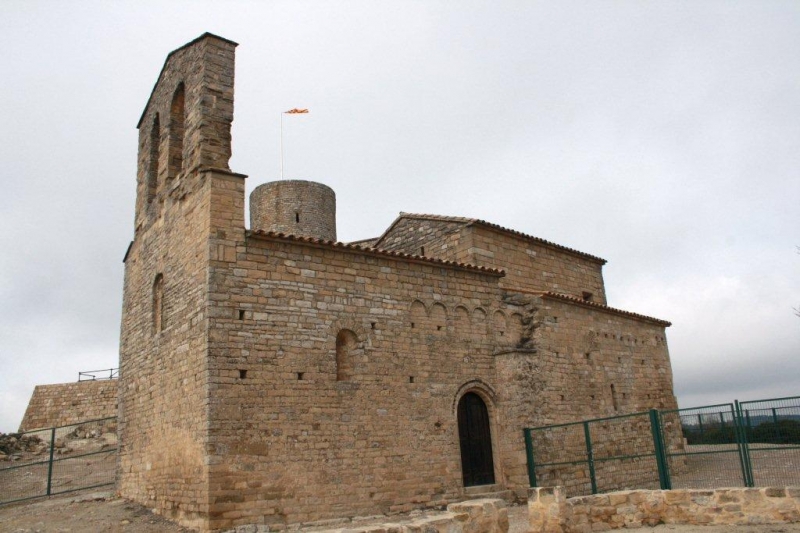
column 375, row 251
column 594, row 305
column 466, row 222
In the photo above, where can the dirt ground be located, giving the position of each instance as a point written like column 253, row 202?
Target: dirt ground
column 103, row 513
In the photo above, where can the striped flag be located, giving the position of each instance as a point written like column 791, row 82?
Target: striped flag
column 295, row 111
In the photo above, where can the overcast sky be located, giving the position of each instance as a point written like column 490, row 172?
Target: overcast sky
column 661, row 136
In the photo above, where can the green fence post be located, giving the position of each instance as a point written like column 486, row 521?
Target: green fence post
column 749, row 427
column 700, row 423
column 529, row 453
column 744, row 448
column 590, row 456
column 660, row 453
column 50, row 463
column 777, row 428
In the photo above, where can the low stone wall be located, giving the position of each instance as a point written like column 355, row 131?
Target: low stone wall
column 69, row 403
column 550, row 511
column 473, row 516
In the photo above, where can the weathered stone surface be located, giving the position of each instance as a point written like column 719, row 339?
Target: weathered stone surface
column 69, row 403
column 279, row 380
column 770, row 505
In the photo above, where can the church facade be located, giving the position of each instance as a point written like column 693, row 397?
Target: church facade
column 273, row 375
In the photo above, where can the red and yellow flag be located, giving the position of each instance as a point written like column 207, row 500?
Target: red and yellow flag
column 295, row 111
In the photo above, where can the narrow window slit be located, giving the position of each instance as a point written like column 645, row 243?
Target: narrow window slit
column 242, row 374
column 300, row 376
column 241, row 314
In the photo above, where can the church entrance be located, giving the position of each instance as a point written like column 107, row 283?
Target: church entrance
column 476, row 441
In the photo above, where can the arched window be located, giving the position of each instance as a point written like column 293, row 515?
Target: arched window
column 152, row 166
column 419, row 315
column 439, row 318
column 177, row 127
column 461, row 321
column 346, row 343
column 158, row 304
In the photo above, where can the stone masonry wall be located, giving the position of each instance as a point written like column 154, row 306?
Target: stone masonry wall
column 275, row 380
column 425, row 336
column 438, row 236
column 205, row 68
column 68, row 403
column 532, row 266
column 529, row 264
column 294, row 207
column 292, row 443
column 163, row 361
column 549, row 511
column 585, row 351
column 575, row 355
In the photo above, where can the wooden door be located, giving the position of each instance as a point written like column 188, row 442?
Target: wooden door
column 476, row 441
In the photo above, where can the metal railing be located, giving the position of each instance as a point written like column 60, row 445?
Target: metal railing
column 98, row 375
column 747, row 444
column 57, row 460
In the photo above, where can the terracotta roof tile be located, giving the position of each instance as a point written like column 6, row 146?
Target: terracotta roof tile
column 374, row 251
column 572, row 299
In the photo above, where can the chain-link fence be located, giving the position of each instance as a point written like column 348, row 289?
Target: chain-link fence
column 56, row 460
column 772, row 432
column 737, row 444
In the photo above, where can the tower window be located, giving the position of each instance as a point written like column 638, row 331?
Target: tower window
column 614, row 397
column 587, row 296
column 297, row 216
column 152, row 167
column 346, row 343
column 177, row 128
column 158, row 304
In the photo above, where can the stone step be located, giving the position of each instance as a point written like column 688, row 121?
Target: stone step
column 490, row 492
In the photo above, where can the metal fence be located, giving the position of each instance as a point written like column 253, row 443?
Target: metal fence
column 747, row 444
column 98, row 375
column 56, row 460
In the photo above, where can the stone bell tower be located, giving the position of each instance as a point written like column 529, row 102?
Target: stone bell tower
column 189, row 215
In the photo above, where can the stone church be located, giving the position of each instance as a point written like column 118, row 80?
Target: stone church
column 272, row 375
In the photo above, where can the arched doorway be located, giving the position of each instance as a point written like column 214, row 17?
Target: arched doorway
column 475, row 438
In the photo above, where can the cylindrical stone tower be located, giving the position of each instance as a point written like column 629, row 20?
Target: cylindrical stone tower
column 294, row 207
